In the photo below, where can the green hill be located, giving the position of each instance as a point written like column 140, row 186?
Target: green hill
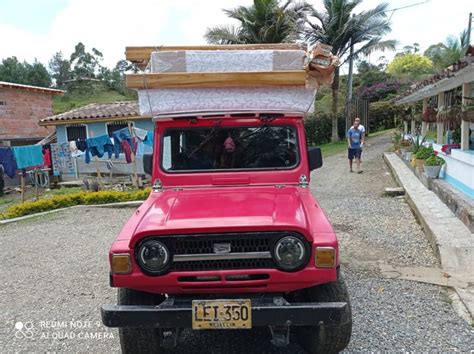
column 78, row 96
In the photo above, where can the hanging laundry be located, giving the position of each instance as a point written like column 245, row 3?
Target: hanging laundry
column 127, row 150
column 67, row 162
column 56, row 159
column 46, row 158
column 98, row 147
column 119, row 136
column 8, row 162
column 140, row 133
column 81, row 145
column 28, row 156
column 149, row 138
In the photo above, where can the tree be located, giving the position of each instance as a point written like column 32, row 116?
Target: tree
column 37, row 74
column 369, row 74
column 85, row 65
column 444, row 54
column 340, row 27
column 60, row 69
column 266, row 21
column 11, row 70
column 410, row 66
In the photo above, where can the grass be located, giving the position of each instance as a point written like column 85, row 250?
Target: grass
column 381, row 132
column 63, row 191
column 4, row 200
column 75, row 99
column 332, row 149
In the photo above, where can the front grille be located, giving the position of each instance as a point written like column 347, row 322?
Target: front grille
column 223, row 264
column 250, row 250
column 239, row 243
column 200, row 245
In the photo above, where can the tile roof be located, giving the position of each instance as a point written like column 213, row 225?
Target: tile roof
column 31, row 88
column 451, row 77
column 96, row 111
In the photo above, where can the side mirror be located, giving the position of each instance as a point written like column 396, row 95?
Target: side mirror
column 315, row 158
column 148, row 163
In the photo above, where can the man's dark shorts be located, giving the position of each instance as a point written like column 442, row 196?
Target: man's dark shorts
column 354, row 153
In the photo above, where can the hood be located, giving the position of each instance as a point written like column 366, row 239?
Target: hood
column 203, row 210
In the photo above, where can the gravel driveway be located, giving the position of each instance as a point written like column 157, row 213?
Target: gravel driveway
column 54, row 276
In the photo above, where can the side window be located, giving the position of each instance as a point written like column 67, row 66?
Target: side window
column 76, row 131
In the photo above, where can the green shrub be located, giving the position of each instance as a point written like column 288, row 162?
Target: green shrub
column 63, row 201
column 434, row 161
column 424, row 153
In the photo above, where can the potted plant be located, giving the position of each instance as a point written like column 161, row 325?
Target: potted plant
column 416, row 143
column 422, row 155
column 433, row 165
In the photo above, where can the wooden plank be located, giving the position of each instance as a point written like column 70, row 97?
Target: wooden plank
column 141, row 55
column 217, row 79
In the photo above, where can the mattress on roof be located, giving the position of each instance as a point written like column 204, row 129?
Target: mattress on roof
column 184, row 100
column 227, row 60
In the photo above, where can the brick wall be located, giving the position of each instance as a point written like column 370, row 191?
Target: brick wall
column 20, row 111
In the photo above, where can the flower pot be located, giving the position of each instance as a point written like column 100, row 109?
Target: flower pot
column 408, row 155
column 419, row 164
column 413, row 161
column 432, row 171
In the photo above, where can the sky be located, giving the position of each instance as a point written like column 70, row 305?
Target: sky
column 32, row 29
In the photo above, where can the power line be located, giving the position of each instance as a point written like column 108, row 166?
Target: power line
column 405, row 7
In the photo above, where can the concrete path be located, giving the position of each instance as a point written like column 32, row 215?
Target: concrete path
column 451, row 239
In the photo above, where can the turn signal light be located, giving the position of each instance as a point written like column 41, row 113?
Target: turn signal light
column 121, row 264
column 325, row 257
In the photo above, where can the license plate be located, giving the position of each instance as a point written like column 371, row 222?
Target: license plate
column 222, row 314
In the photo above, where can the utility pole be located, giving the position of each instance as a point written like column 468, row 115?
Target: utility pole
column 469, row 30
column 349, row 88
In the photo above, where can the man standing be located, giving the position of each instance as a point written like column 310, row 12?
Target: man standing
column 354, row 141
column 361, row 127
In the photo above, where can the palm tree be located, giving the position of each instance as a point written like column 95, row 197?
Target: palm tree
column 340, row 27
column 266, row 21
column 449, row 52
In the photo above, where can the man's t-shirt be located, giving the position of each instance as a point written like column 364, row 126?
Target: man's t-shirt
column 361, row 128
column 354, row 136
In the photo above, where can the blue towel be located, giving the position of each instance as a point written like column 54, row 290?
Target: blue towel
column 149, row 138
column 28, row 156
column 8, row 161
column 98, row 147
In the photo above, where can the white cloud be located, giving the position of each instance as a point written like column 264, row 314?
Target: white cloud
column 110, row 26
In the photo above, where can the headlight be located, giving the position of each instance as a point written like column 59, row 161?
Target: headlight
column 153, row 257
column 290, row 253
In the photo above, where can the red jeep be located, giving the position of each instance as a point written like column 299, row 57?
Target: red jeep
column 229, row 238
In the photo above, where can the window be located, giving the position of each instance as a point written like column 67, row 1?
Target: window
column 229, row 148
column 76, row 131
column 114, row 126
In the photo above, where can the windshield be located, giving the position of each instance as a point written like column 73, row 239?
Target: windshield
column 229, row 148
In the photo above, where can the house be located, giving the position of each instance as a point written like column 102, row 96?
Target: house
column 94, row 120
column 21, row 107
column 450, row 97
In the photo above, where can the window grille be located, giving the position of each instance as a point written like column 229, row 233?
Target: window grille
column 76, row 131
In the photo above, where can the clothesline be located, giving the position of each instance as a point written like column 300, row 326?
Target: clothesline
column 23, row 157
column 121, row 140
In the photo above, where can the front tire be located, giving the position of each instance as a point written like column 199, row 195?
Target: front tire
column 139, row 340
column 327, row 338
